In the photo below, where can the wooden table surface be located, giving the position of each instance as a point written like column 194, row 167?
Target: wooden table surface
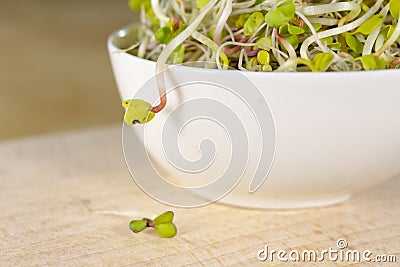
column 56, row 192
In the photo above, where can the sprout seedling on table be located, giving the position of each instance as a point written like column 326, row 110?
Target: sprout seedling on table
column 267, row 35
column 162, row 224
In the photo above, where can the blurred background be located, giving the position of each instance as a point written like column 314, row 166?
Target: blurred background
column 55, row 74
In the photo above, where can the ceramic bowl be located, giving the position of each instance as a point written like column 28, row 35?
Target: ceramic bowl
column 332, row 134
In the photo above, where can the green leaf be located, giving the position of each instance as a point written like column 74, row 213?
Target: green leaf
column 394, row 7
column 316, row 27
column 266, row 68
column 354, row 43
column 293, row 40
column 370, row 25
column 136, row 4
column 201, row 3
column 138, row 225
column 370, row 62
column 284, row 29
column 321, row 61
column 137, row 111
column 389, row 29
column 281, row 15
column 164, row 35
column 166, row 230
column 287, row 8
column 239, row 23
column 165, row 217
column 327, row 41
column 253, row 23
column 294, row 29
column 275, row 19
column 263, row 41
column 263, row 57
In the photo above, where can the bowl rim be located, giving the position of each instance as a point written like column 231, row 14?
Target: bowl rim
column 112, row 48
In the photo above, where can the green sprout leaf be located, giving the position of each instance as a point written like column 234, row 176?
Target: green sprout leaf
column 389, row 29
column 253, row 23
column 327, row 41
column 262, row 41
column 162, row 224
column 354, row 43
column 394, row 7
column 322, row 61
column 165, row 230
column 370, row 62
column 138, row 225
column 316, row 27
column 370, row 25
column 293, row 40
column 165, row 217
column 294, row 29
column 281, row 15
column 266, row 68
column 263, row 57
column 164, row 35
column 137, row 111
column 283, row 29
column 201, row 3
column 239, row 23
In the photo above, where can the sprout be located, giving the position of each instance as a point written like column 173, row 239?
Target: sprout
column 162, row 224
column 272, row 35
column 281, row 15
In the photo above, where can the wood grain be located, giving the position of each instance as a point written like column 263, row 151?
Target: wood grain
column 55, row 188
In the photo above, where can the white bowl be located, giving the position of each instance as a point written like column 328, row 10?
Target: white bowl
column 334, row 133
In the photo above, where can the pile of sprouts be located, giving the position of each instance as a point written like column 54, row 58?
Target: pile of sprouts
column 270, row 35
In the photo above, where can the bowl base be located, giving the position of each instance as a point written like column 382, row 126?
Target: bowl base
column 274, row 203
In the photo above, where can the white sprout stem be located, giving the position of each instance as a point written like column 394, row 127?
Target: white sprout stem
column 230, row 43
column 219, row 7
column 154, row 51
column 194, row 12
column 328, row 8
column 164, row 55
column 291, row 63
column 142, row 15
column 339, row 30
column 393, row 38
column 247, row 10
column 371, row 39
column 201, row 48
column 245, row 45
column 240, row 63
column 142, row 47
column 257, row 31
column 205, row 40
column 243, row 4
column 380, row 40
column 324, row 21
column 286, row 44
column 126, row 49
column 222, row 20
column 274, row 44
column 314, row 33
column 178, row 10
column 125, row 213
column 230, row 32
column 155, row 5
